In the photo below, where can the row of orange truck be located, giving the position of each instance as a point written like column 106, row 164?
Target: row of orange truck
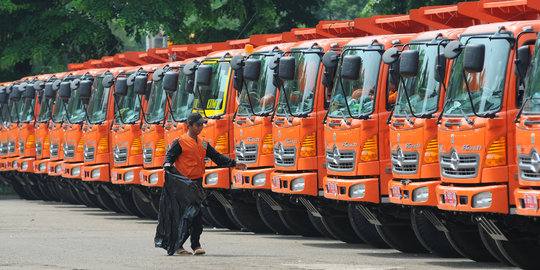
column 421, row 142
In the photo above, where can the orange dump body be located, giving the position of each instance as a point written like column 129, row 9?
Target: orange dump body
column 477, row 161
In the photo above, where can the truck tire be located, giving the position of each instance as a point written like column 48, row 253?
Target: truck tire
column 219, row 214
column 298, row 222
column 248, row 216
column 466, row 240
column 53, row 188
column 432, row 239
column 44, row 188
column 523, row 253
column 365, row 230
column 338, row 224
column 207, row 219
column 106, row 199
column 129, row 204
column 319, row 225
column 398, row 233
column 19, row 189
column 27, row 186
column 271, row 217
column 491, row 246
column 65, row 191
column 146, row 208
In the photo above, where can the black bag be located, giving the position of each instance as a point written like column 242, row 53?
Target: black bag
column 180, row 202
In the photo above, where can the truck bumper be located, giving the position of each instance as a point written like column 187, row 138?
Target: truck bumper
column 426, row 192
column 96, row 173
column 40, row 166
column 26, row 164
column 55, row 167
column 245, row 179
column 152, row 177
column 493, row 199
column 128, row 175
column 217, row 178
column 359, row 190
column 72, row 170
column 283, row 183
column 527, row 201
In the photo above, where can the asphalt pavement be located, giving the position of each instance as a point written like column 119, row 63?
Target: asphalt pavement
column 50, row 235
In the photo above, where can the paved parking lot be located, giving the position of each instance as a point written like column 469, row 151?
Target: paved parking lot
column 50, row 235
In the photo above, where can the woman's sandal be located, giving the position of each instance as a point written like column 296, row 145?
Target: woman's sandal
column 182, row 251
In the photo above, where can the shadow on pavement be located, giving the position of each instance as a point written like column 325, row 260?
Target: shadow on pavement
column 338, row 245
column 398, row 255
column 470, row 264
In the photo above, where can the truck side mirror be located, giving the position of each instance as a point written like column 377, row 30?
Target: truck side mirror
column 237, row 62
column 39, row 85
column 75, row 84
column 453, row 49
column 391, row 56
column 3, row 97
column 139, row 86
column 473, row 60
column 49, row 92
column 120, row 87
column 238, row 79
column 15, row 94
column 440, row 68
column 65, row 91
column 522, row 61
column 350, row 67
column 85, row 89
column 330, row 61
column 30, row 92
column 408, row 65
column 148, row 90
column 56, row 85
column 252, row 69
column 108, row 81
column 157, row 76
column 393, row 73
column 170, row 81
column 287, row 68
column 204, row 75
column 189, row 71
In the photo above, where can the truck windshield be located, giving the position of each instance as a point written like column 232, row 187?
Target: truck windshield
column 16, row 110
column 5, row 114
column 532, row 85
column 301, row 90
column 214, row 95
column 75, row 107
column 182, row 101
column 27, row 109
column 45, row 108
column 359, row 94
column 486, row 86
column 423, row 89
column 156, row 104
column 262, row 93
column 59, row 113
column 97, row 106
column 128, row 107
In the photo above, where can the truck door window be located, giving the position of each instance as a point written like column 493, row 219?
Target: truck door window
column 97, row 106
column 532, row 85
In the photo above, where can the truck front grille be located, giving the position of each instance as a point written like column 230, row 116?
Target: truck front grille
column 54, row 149
column 246, row 153
column 405, row 162
column 340, row 160
column 69, row 151
column 120, row 154
column 147, row 155
column 21, row 148
column 89, row 153
column 454, row 165
column 529, row 166
column 11, row 147
column 38, row 148
column 284, row 156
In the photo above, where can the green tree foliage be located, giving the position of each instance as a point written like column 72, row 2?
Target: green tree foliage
column 43, row 36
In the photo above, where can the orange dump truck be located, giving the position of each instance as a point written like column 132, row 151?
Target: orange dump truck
column 413, row 135
column 476, row 137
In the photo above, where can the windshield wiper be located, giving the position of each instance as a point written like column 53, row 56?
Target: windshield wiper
column 469, row 120
column 469, row 94
column 346, row 101
column 527, row 100
column 344, row 117
column 408, row 101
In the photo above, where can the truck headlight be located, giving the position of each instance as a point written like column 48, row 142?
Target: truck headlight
column 42, row 166
column 24, row 165
column 96, row 173
column 128, row 177
column 58, row 169
column 153, row 179
column 76, row 171
column 211, row 179
column 15, row 164
column 481, row 200
column 259, row 179
column 420, row 194
column 357, row 191
column 298, row 184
